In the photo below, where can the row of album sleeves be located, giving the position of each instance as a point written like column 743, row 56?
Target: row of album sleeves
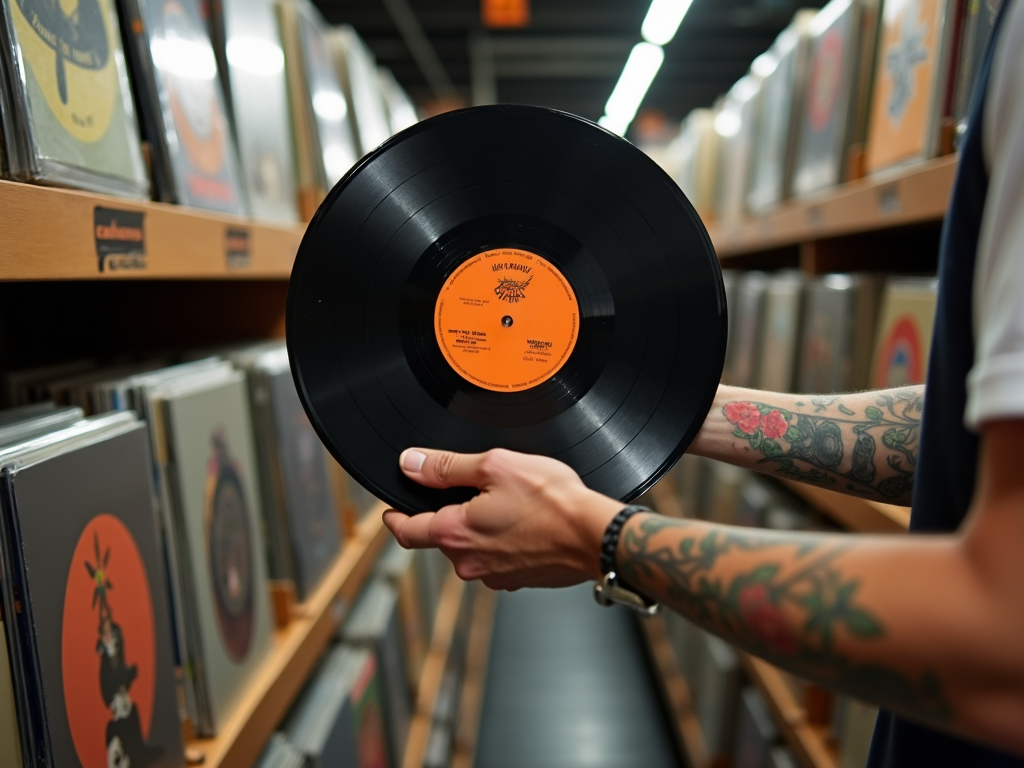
column 244, row 106
column 735, row 720
column 832, row 333
column 358, row 705
column 144, row 509
column 857, row 87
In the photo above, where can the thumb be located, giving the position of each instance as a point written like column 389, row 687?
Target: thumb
column 443, row 469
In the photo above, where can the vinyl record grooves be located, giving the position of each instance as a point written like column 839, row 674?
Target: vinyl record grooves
column 511, row 277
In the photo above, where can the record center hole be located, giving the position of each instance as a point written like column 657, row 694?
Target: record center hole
column 507, row 321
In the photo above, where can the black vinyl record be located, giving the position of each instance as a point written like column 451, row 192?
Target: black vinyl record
column 506, row 276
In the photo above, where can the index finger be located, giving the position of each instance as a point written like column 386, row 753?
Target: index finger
column 412, row 532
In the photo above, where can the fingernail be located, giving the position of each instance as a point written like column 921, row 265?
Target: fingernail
column 412, row 460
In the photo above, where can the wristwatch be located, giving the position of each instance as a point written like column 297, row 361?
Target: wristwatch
column 610, row 589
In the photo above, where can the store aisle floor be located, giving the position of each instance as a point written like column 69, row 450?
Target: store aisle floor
column 568, row 686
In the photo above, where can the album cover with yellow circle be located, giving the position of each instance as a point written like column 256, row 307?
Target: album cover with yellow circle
column 69, row 118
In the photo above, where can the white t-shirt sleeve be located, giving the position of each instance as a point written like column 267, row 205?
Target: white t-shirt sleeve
column 995, row 385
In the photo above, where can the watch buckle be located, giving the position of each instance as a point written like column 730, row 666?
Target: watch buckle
column 607, row 592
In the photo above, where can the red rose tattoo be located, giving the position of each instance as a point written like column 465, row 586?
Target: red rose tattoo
column 766, row 619
column 774, row 424
column 745, row 416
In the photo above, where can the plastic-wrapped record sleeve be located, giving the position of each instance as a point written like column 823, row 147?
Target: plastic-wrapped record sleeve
column 67, row 111
column 251, row 65
column 174, row 72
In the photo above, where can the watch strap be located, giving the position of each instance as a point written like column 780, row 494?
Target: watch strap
column 610, row 540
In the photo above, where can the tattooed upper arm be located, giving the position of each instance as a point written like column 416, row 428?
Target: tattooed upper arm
column 861, row 443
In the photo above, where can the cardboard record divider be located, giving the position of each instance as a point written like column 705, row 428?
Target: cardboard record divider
column 506, row 276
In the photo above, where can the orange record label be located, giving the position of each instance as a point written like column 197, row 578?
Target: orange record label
column 506, row 320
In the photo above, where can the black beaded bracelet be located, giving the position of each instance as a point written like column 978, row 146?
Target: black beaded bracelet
column 610, row 540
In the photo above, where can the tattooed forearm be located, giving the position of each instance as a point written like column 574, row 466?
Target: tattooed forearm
column 863, row 443
column 781, row 596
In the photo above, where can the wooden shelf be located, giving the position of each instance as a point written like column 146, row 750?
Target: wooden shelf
column 807, row 741
column 676, row 692
column 296, row 650
column 475, row 679
column 445, row 621
column 911, row 195
column 852, row 513
column 50, row 234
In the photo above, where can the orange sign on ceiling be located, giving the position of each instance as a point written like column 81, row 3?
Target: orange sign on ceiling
column 504, row 14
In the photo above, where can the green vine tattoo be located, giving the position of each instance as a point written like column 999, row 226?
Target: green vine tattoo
column 790, row 618
column 812, row 448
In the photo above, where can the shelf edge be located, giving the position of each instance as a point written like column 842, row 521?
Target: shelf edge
column 48, row 233
column 805, row 740
column 896, row 197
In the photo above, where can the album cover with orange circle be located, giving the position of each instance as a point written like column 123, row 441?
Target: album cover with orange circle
column 904, row 338
column 175, row 74
column 91, row 644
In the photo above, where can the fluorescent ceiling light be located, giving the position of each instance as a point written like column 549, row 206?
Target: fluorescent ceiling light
column 663, row 19
column 642, row 65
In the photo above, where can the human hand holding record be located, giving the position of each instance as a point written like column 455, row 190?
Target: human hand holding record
column 533, row 524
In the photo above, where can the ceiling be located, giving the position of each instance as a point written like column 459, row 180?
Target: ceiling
column 570, row 55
